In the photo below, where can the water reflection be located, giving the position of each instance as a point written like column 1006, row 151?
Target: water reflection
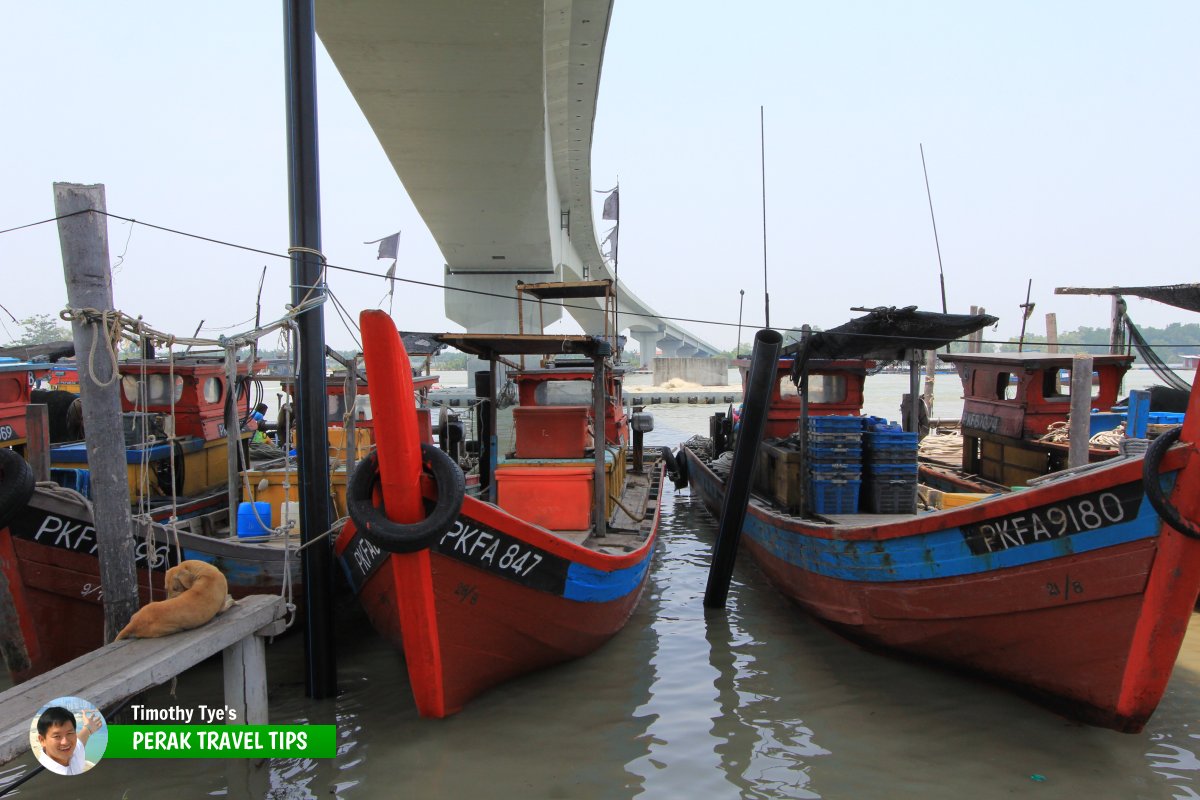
column 756, row 702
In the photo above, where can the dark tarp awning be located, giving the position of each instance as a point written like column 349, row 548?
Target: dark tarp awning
column 886, row 334
column 491, row 345
column 51, row 351
column 1180, row 295
column 418, row 343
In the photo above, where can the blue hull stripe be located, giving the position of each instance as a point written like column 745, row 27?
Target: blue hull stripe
column 589, row 585
column 927, row 556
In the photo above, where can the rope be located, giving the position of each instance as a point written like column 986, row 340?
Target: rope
column 1059, row 433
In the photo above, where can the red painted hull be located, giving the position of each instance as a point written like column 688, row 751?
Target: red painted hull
column 483, row 628
column 54, row 580
column 1091, row 627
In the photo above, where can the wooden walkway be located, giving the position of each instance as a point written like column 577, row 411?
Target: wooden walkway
column 122, row 669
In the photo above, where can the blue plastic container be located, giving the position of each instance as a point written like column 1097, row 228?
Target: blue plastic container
column 834, row 424
column 250, row 524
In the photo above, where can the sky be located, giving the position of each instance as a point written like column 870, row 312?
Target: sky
column 1059, row 139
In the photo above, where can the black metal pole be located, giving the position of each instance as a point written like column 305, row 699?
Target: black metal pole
column 304, row 203
column 764, row 359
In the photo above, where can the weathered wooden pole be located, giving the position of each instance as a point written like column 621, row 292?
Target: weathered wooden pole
column 1081, row 410
column 304, row 202
column 1051, row 333
column 37, row 440
column 83, row 237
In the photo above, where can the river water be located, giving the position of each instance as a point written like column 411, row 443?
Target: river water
column 757, row 701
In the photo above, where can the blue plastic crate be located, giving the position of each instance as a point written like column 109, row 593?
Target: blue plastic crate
column 834, row 496
column 904, row 456
column 1164, row 418
column 842, row 451
column 890, row 440
column 843, row 439
column 890, row 470
column 78, row 479
column 851, row 470
column 835, row 424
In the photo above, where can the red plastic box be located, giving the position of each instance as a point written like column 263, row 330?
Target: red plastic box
column 558, row 498
column 551, row 431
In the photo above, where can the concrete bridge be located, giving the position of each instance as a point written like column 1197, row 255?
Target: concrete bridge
column 485, row 110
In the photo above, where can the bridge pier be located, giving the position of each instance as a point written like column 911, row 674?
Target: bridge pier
column 647, row 343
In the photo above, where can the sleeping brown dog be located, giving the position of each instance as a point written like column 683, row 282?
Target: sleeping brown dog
column 196, row 592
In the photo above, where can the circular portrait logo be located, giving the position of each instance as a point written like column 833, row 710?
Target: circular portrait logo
column 68, row 735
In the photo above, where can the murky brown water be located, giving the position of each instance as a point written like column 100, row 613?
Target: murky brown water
column 754, row 702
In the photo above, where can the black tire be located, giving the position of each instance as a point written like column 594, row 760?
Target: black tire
column 1154, row 492
column 397, row 537
column 16, row 485
column 676, row 467
column 681, row 470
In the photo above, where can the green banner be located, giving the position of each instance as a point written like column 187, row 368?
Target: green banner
column 221, row 741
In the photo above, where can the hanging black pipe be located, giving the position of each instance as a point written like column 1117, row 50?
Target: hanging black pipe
column 759, row 384
column 483, row 391
column 304, row 204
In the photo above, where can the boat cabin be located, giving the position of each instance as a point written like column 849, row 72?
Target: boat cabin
column 194, row 389
column 555, row 476
column 1011, row 399
column 17, row 380
column 835, row 388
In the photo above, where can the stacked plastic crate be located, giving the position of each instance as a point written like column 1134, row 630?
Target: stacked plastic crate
column 890, row 457
column 834, row 464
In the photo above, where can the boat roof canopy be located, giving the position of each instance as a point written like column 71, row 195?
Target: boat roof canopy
column 491, row 345
column 419, row 343
column 1033, row 360
column 1180, row 295
column 567, row 290
column 886, row 334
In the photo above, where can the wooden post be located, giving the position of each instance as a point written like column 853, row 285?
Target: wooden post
column 245, row 667
column 930, row 373
column 37, row 440
column 83, row 237
column 1051, row 333
column 1116, row 336
column 973, row 337
column 233, row 440
column 1081, row 410
column 913, row 423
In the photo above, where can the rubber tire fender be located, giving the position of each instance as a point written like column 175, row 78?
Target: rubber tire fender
column 676, row 467
column 399, row 537
column 16, row 485
column 1154, row 492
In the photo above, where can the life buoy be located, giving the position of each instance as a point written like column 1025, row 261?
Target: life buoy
column 399, row 537
column 16, row 485
column 1154, row 491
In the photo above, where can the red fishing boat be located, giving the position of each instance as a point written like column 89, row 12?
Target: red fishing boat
column 177, row 453
column 17, row 380
column 1076, row 591
column 541, row 563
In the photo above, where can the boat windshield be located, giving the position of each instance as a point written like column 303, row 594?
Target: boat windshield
column 821, row 388
column 564, row 393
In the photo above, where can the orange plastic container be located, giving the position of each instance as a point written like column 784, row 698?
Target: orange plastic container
column 551, row 431
column 558, row 498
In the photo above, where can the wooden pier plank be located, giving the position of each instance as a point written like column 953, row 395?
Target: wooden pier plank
column 124, row 668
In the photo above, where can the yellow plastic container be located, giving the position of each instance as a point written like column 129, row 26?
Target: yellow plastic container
column 956, row 499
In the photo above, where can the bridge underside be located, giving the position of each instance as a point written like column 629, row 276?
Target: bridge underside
column 485, row 111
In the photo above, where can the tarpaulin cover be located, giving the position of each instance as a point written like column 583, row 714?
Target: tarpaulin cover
column 1180, row 295
column 887, row 334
